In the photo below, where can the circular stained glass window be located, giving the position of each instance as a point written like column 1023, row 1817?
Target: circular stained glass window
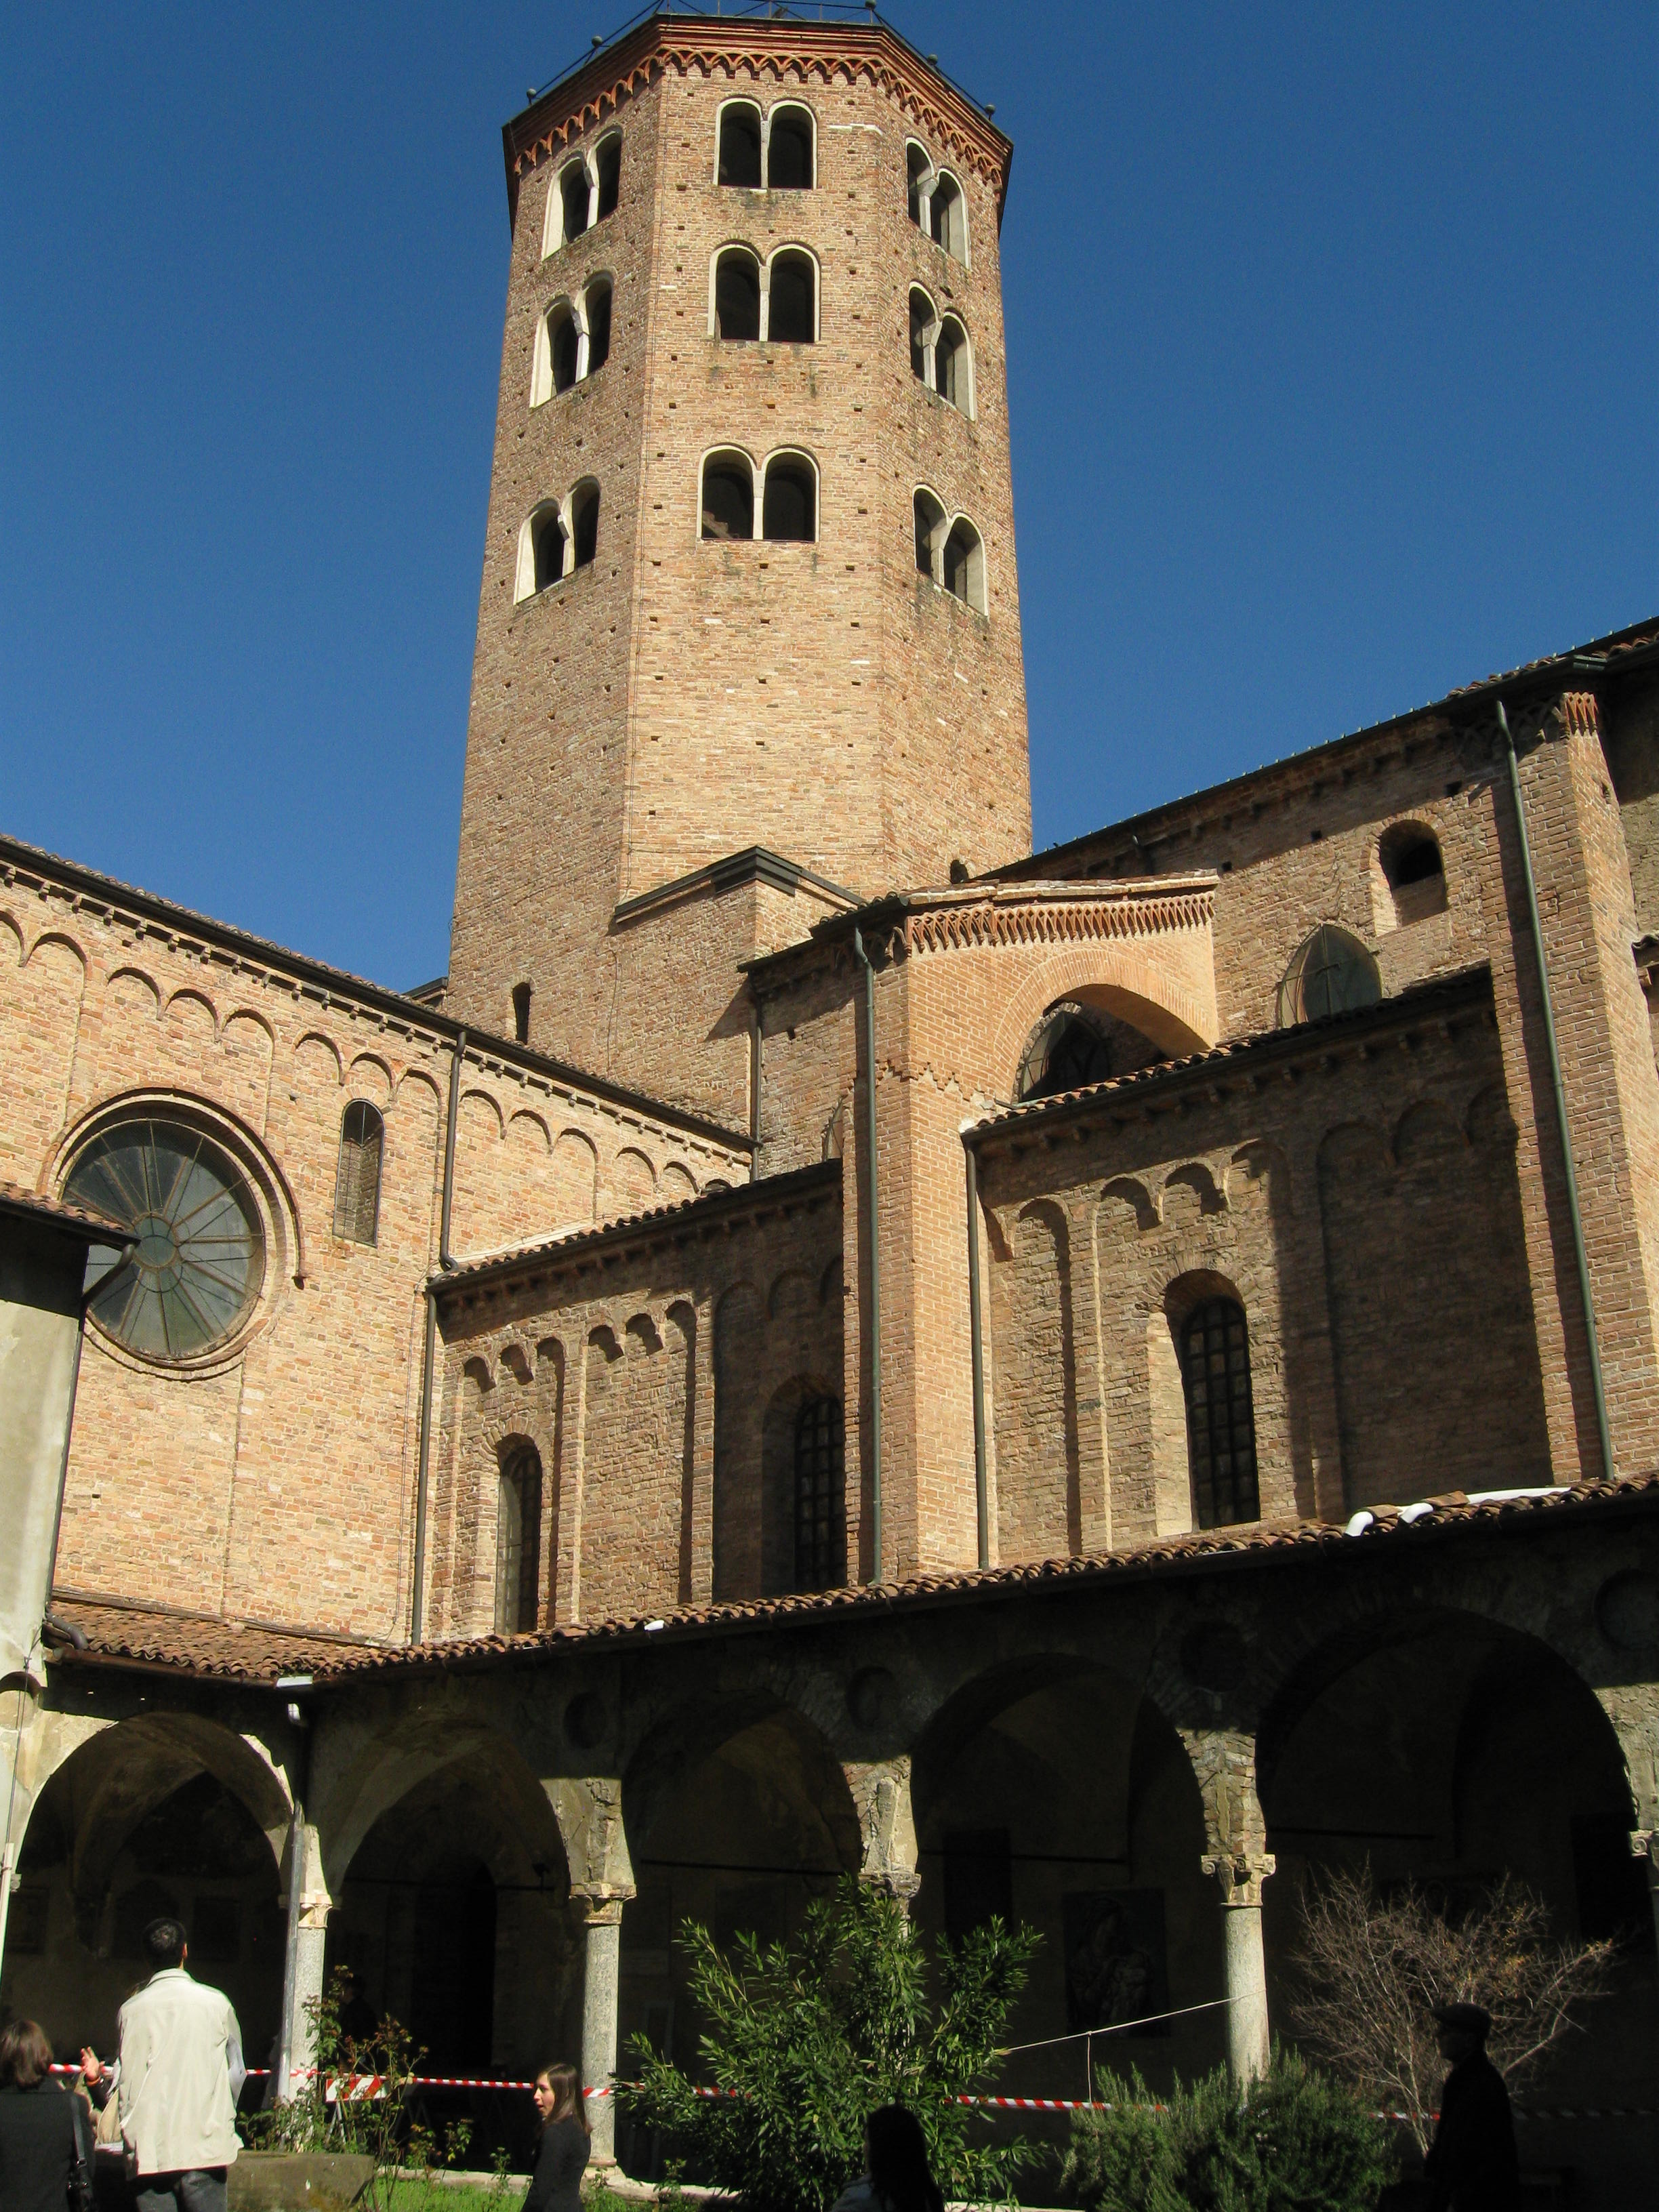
column 191, row 1279
column 1331, row 973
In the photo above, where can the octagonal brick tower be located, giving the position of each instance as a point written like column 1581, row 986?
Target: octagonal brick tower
column 684, row 750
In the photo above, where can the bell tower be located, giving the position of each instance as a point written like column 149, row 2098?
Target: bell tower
column 748, row 644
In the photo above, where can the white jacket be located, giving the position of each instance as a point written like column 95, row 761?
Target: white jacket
column 181, row 2074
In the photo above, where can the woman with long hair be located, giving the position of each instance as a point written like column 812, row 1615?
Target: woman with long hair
column 897, row 2178
column 557, row 2184
column 42, row 2137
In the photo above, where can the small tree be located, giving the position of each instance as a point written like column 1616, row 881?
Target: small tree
column 1371, row 1969
column 804, row 2038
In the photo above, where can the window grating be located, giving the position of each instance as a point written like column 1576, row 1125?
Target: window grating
column 518, row 1542
column 357, row 1182
column 1215, row 1367
column 820, row 1524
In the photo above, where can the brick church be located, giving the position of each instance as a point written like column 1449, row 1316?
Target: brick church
column 1091, row 1385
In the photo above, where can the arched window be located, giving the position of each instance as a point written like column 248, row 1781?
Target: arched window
column 791, row 299
column 789, row 503
column 1068, row 1049
column 820, row 1509
column 918, row 177
column 584, row 523
column 952, row 378
column 789, row 164
column 923, row 319
column 1330, row 972
column 728, row 496
column 596, row 310
column 965, row 564
column 607, row 160
column 1415, row 874
column 575, row 193
column 563, row 344
column 737, row 295
column 541, row 552
column 947, row 215
column 518, row 1540
column 930, row 534
column 357, row 1178
column 740, row 144
column 1215, row 1376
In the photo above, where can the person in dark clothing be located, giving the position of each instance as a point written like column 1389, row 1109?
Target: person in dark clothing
column 42, row 2135
column 557, row 2184
column 898, row 2179
column 1471, row 2165
column 356, row 2014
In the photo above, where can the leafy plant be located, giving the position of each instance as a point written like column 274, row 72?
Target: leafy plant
column 1370, row 1968
column 1293, row 2142
column 805, row 2039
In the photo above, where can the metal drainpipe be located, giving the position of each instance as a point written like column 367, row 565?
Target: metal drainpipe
column 873, row 1219
column 446, row 1260
column 976, row 1337
column 1559, row 1089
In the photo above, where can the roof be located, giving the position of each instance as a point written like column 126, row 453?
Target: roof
column 1619, row 651
column 127, row 1633
column 133, row 1631
column 1419, row 1002
column 1424, row 1521
column 667, row 1224
column 53, row 1213
column 101, row 894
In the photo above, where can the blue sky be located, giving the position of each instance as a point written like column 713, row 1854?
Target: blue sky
column 1332, row 359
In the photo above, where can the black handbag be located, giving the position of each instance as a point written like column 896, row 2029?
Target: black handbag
column 78, row 2195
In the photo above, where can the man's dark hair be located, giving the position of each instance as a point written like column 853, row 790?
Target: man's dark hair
column 164, row 1943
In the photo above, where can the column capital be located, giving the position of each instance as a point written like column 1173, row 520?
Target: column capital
column 1644, row 1845
column 1240, row 1875
column 880, row 1790
column 601, row 1903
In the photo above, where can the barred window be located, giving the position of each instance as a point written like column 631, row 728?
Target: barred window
column 518, row 1542
column 357, row 1182
column 1215, row 1370
column 820, row 1519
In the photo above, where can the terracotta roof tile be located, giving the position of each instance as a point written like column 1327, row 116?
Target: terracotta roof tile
column 194, row 1644
column 31, row 1205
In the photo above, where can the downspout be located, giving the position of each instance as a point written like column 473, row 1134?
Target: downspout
column 755, row 1037
column 446, row 1260
column 873, row 1233
column 1574, row 1217
column 976, row 1336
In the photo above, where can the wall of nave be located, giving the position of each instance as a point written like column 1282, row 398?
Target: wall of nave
column 627, row 1425
column 1115, row 1757
column 260, row 1459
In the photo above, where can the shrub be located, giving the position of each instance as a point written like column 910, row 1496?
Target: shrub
column 1369, row 1968
column 1293, row 2142
column 804, row 2038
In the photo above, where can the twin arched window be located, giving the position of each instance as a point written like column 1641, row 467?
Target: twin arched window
column 950, row 551
column 584, row 192
column 357, row 1178
column 777, row 300
column 557, row 538
column 573, row 339
column 786, row 510
column 940, row 356
column 820, row 1502
column 936, row 202
column 518, row 1540
column 777, row 152
column 1215, row 1378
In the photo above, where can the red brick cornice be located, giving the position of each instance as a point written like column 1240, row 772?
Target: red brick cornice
column 757, row 52
column 1061, row 914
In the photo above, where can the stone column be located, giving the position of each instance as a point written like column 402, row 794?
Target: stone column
column 1224, row 1761
column 880, row 1790
column 307, row 1907
column 1244, row 1959
column 601, row 1911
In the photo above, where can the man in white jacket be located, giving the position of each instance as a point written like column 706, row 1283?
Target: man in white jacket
column 181, row 2074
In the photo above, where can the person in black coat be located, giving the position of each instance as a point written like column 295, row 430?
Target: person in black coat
column 557, row 2184
column 42, row 2136
column 1471, row 2165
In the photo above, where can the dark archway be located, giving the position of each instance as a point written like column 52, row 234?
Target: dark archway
column 452, row 2007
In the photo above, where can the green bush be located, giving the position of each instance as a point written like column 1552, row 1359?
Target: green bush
column 1295, row 2142
column 806, row 2037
